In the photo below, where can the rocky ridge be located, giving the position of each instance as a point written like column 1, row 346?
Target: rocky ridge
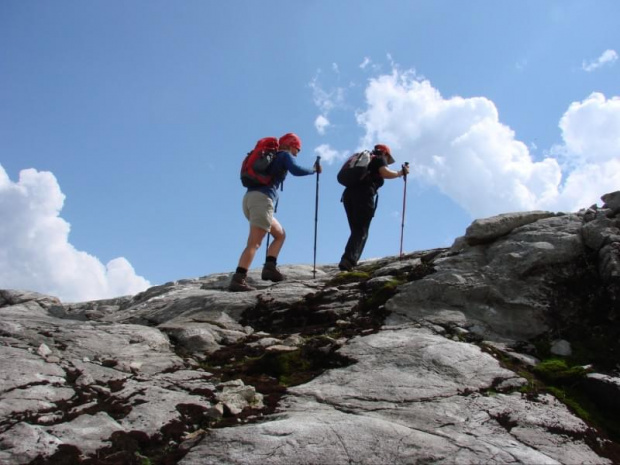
column 500, row 349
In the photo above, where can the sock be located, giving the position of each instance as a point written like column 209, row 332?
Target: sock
column 242, row 271
column 271, row 259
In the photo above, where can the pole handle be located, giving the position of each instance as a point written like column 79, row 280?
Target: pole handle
column 405, row 165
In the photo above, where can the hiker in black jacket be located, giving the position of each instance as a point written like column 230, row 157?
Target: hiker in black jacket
column 360, row 203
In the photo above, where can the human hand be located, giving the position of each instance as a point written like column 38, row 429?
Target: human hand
column 317, row 165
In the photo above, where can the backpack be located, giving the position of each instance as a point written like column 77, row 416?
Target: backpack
column 255, row 166
column 355, row 170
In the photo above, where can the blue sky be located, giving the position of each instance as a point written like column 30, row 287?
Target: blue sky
column 123, row 126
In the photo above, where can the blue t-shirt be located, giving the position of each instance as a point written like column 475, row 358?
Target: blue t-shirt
column 282, row 164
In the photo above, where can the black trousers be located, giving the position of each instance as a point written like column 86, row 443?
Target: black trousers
column 360, row 205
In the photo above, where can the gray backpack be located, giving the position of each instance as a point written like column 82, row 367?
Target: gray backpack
column 355, row 170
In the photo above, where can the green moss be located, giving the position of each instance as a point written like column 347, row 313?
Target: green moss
column 350, row 277
column 598, row 346
column 558, row 371
column 389, row 287
column 542, row 346
column 301, row 365
column 286, row 367
column 563, row 379
column 370, row 268
column 381, row 295
column 572, row 400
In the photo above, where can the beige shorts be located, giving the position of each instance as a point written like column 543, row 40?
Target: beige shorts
column 258, row 209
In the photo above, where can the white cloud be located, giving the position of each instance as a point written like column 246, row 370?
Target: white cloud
column 591, row 129
column 326, row 100
column 329, row 155
column 321, row 123
column 365, row 63
column 459, row 145
column 608, row 57
column 35, row 253
column 521, row 65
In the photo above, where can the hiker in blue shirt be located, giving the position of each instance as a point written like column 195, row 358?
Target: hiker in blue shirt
column 282, row 164
column 259, row 207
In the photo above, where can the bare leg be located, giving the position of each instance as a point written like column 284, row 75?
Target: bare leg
column 277, row 231
column 255, row 240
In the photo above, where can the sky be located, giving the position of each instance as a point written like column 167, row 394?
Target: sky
column 123, row 126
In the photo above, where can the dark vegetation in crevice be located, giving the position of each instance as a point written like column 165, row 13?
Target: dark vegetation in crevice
column 581, row 309
column 348, row 306
column 580, row 300
column 565, row 382
column 306, row 317
column 67, row 410
column 353, row 304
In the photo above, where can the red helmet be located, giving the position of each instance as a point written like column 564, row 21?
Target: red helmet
column 385, row 149
column 290, row 140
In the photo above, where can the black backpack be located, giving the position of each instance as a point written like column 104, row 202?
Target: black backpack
column 355, row 170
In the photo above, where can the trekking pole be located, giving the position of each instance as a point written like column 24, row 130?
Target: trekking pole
column 316, row 213
column 402, row 225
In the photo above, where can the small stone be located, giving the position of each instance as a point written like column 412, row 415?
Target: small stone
column 44, row 350
column 561, row 347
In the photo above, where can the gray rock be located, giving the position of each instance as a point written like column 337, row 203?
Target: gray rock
column 490, row 288
column 24, row 442
column 237, row 396
column 561, row 347
column 413, row 397
column 612, row 201
column 600, row 231
column 16, row 296
column 91, row 432
column 33, row 397
column 154, row 407
column 609, row 261
column 398, row 267
column 402, row 381
column 605, row 390
column 488, row 229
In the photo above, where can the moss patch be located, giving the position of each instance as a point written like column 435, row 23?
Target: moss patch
column 581, row 310
column 377, row 297
column 558, row 371
column 348, row 277
column 300, row 366
column 565, row 380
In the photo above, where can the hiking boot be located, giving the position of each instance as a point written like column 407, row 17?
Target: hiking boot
column 238, row 284
column 271, row 273
column 345, row 265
